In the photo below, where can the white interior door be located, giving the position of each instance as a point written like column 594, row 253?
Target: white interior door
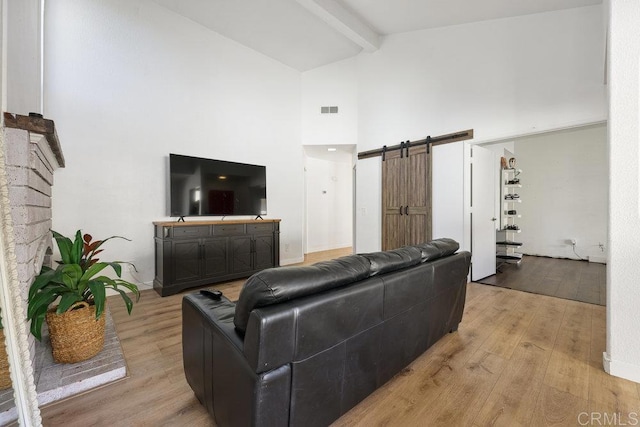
column 483, row 215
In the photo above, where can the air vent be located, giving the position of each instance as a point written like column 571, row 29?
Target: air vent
column 329, row 110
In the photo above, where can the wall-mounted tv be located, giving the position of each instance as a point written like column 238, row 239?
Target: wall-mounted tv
column 215, row 187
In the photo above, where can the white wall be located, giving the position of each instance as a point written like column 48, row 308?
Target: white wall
column 448, row 172
column 332, row 85
column 129, row 82
column 564, row 192
column 502, row 78
column 23, row 56
column 623, row 269
column 329, row 195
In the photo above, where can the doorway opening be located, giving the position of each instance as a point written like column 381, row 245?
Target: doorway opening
column 329, row 197
column 561, row 215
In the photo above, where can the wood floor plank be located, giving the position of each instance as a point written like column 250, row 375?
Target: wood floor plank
column 507, row 333
column 557, row 408
column 611, row 394
column 598, row 335
column 544, row 327
column 569, row 365
column 469, row 390
column 512, row 401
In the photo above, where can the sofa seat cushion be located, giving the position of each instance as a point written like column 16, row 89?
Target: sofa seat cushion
column 437, row 248
column 383, row 262
column 276, row 285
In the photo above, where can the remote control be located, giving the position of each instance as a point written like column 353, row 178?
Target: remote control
column 213, row 294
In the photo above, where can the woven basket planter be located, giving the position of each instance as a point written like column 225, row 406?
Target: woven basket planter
column 5, row 377
column 76, row 335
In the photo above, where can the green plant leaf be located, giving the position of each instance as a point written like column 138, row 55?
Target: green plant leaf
column 67, row 300
column 37, row 310
column 127, row 300
column 127, row 263
column 76, row 249
column 93, row 270
column 36, row 323
column 65, row 245
column 42, row 300
column 116, row 267
column 41, row 280
column 71, row 275
column 132, row 287
column 97, row 288
column 82, row 288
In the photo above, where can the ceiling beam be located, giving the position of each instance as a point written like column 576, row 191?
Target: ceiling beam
column 345, row 22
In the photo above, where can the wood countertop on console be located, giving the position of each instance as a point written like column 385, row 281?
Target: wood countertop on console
column 213, row 222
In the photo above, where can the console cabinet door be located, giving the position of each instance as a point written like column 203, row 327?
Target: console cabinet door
column 186, row 260
column 214, row 257
column 241, row 259
column 263, row 251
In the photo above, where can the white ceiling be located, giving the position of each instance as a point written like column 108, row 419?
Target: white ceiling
column 305, row 34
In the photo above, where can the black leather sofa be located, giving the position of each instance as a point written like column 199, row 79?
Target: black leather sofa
column 303, row 345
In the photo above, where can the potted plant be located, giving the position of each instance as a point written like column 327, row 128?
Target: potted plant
column 76, row 324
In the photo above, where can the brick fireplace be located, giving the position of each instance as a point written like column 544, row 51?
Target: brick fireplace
column 31, row 155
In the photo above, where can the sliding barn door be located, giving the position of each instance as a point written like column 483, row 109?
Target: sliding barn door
column 418, row 196
column 406, row 197
column 393, row 200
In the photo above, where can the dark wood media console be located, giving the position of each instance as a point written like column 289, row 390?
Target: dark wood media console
column 198, row 253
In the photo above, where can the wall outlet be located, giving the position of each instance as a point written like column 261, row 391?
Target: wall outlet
column 573, row 242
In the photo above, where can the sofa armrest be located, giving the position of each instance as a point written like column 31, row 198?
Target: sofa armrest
column 218, row 314
column 220, row 375
column 204, row 321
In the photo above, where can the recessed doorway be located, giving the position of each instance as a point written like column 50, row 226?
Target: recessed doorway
column 562, row 215
column 328, row 197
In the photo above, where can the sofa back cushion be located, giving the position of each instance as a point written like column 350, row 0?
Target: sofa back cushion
column 298, row 329
column 383, row 262
column 277, row 285
column 437, row 248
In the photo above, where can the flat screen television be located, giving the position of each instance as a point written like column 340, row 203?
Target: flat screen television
column 200, row 186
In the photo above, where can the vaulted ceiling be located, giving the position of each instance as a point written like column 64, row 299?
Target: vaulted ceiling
column 305, row 34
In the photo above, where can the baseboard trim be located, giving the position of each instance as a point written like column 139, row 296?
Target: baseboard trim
column 323, row 248
column 288, row 261
column 620, row 369
column 598, row 259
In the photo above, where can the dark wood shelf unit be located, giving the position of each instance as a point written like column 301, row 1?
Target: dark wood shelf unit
column 198, row 253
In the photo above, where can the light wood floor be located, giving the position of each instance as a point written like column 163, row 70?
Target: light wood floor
column 562, row 278
column 517, row 359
